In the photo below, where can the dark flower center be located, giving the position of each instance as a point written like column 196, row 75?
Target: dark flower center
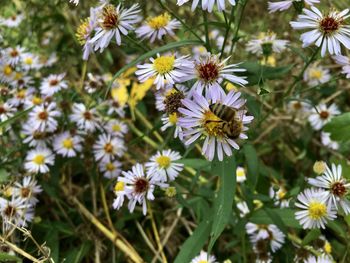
column 208, row 72
column 338, row 189
column 9, row 211
column 173, row 102
column 324, row 115
column 141, row 185
column 110, row 17
column 25, row 192
column 14, row 53
column 2, row 110
column 87, row 115
column 43, row 115
column 329, row 25
column 53, row 82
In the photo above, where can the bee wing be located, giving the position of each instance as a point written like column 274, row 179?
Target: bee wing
column 240, row 115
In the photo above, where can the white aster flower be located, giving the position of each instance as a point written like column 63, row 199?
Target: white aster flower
column 319, row 259
column 328, row 142
column 203, row 257
column 286, row 4
column 110, row 169
column 43, row 118
column 165, row 69
column 171, row 120
column 12, row 56
column 37, row 160
column 279, row 196
column 243, row 208
column 67, row 144
column 208, row 4
column 299, row 108
column 21, row 81
column 34, row 137
column 156, row 27
column 240, row 174
column 114, row 22
column 30, row 61
column 164, row 165
column 220, row 135
column 316, row 75
column 266, row 43
column 315, row 211
column 343, row 61
column 86, row 119
column 27, row 190
column 107, row 148
column 12, row 21
column 322, row 114
column 209, row 72
column 327, row 30
column 335, row 185
column 15, row 212
column 138, row 187
column 6, row 72
column 93, row 83
column 116, row 128
column 53, row 84
column 6, row 111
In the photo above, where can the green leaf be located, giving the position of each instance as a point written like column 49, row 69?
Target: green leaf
column 76, row 255
column 195, row 242
column 253, row 165
column 4, row 257
column 151, row 53
column 339, row 127
column 276, row 219
column 311, row 236
column 286, row 215
column 225, row 197
column 256, row 72
column 4, row 175
column 198, row 164
column 52, row 242
column 15, row 117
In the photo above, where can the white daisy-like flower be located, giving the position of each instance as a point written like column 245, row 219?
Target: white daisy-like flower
column 86, row 119
column 316, row 75
column 319, row 259
column 21, row 96
column 203, row 257
column 110, row 169
column 138, row 187
column 335, row 185
column 328, row 30
column 15, row 212
column 240, row 174
column 286, row 4
column 6, row 72
column 266, row 43
column 220, row 135
column 243, row 208
column 12, row 56
column 322, row 114
column 6, row 111
column 299, row 108
column 328, row 142
column 171, row 120
column 116, row 128
column 21, row 81
column 43, row 117
column 166, row 69
column 164, row 164
column 37, row 160
column 53, row 84
column 27, row 190
column 76, row 2
column 169, row 98
column 209, row 72
column 208, row 4
column 66, row 144
column 107, row 148
column 315, row 211
column 30, row 61
column 93, row 83
column 279, row 196
column 156, row 27
column 34, row 137
column 12, row 21
column 343, row 61
column 115, row 107
column 113, row 22
column 120, row 192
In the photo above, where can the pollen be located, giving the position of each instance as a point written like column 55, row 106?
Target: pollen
column 212, row 124
column 327, row 247
column 108, row 148
column 116, row 128
column 83, row 31
column 39, row 159
column 164, row 64
column 7, row 70
column 163, row 161
column 159, row 21
column 173, row 118
column 110, row 18
column 67, row 143
column 110, row 167
column 28, row 61
column 119, row 186
column 317, row 210
column 316, row 74
column 21, row 94
column 37, row 100
column 281, row 194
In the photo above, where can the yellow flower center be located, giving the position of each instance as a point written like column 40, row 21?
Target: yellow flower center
column 21, row 94
column 164, row 64
column 240, row 173
column 18, row 75
column 317, row 210
column 28, row 61
column 281, row 194
column 315, row 74
column 163, row 161
column 39, row 159
column 327, row 248
column 83, row 31
column 319, row 167
column 67, row 143
column 203, row 261
column 110, row 167
column 7, row 70
column 37, row 100
column 159, row 21
column 116, row 128
column 173, row 118
column 108, row 148
column 212, row 124
column 119, row 186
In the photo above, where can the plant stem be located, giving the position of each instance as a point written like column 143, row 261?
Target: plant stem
column 228, row 27
column 238, row 24
column 207, row 39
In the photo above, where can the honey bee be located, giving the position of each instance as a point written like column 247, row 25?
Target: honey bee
column 231, row 119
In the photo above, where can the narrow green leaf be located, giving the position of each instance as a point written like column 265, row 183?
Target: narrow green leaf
column 198, row 164
column 311, row 236
column 253, row 165
column 76, row 255
column 4, row 257
column 339, row 127
column 151, row 53
column 195, row 242
column 15, row 117
column 52, row 242
column 225, row 197
column 276, row 219
column 286, row 214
